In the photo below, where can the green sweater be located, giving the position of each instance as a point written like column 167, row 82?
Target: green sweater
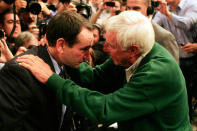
column 155, row 98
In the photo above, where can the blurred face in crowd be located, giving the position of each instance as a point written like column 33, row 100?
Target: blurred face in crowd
column 31, row 42
column 111, row 46
column 33, row 28
column 9, row 24
column 137, row 5
column 32, row 17
column 115, row 8
column 96, row 35
column 79, row 52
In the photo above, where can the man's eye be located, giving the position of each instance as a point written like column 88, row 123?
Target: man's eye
column 10, row 21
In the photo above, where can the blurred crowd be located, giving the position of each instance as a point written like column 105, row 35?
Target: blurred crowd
column 25, row 21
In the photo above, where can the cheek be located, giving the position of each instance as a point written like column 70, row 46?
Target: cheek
column 8, row 28
column 114, row 54
column 79, row 54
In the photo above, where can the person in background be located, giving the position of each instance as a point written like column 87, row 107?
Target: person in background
column 26, row 40
column 123, row 6
column 34, row 29
column 97, row 53
column 162, row 36
column 97, row 31
column 7, row 23
column 179, row 17
column 94, row 4
column 60, row 5
column 105, row 11
column 144, row 87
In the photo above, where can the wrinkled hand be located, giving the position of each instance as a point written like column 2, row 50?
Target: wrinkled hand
column 190, row 47
column 6, row 54
column 37, row 66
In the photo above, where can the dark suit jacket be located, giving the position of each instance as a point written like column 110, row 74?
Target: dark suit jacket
column 25, row 103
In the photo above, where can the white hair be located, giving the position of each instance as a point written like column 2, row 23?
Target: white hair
column 132, row 27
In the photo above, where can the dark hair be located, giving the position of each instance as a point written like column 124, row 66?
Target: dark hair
column 66, row 25
column 2, row 15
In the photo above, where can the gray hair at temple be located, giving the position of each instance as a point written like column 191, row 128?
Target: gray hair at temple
column 24, row 38
column 132, row 28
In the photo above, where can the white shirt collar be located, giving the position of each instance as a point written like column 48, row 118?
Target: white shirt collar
column 130, row 71
column 55, row 65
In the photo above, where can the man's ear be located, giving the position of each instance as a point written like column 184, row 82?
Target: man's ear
column 60, row 45
column 134, row 50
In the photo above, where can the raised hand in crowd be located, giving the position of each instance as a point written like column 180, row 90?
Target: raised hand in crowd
column 44, row 9
column 163, row 8
column 101, row 8
column 20, row 4
column 67, row 6
column 6, row 54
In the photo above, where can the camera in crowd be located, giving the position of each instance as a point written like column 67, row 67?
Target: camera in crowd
column 111, row 4
column 84, row 10
column 155, row 3
column 32, row 6
column 42, row 29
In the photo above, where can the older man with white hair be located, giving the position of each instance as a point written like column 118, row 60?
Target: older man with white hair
column 141, row 86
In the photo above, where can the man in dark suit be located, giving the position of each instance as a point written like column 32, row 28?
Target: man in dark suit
column 25, row 103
